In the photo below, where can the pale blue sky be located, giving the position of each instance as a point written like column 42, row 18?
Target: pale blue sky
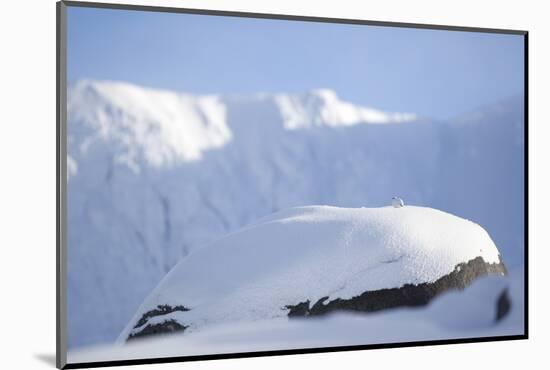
column 439, row 74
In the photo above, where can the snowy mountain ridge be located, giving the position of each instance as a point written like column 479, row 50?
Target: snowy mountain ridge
column 161, row 126
column 167, row 127
column 322, row 107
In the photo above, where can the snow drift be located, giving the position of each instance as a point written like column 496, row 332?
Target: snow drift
column 309, row 253
column 455, row 315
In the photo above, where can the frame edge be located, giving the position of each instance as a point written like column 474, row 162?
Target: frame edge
column 61, row 176
column 288, row 17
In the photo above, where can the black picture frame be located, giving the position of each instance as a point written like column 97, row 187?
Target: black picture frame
column 61, row 176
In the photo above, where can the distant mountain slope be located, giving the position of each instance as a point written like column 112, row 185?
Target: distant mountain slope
column 153, row 175
column 482, row 169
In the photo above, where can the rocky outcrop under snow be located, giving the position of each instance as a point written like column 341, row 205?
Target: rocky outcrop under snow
column 309, row 261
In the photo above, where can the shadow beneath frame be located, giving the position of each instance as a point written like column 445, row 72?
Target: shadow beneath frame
column 47, row 358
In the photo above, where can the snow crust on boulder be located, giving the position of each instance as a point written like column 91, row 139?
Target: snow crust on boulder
column 308, row 253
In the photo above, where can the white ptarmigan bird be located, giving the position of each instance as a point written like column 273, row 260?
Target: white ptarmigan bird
column 397, row 202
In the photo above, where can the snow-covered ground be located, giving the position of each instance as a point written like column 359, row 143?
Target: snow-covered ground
column 454, row 315
column 154, row 175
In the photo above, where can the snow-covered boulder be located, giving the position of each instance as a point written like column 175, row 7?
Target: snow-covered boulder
column 313, row 260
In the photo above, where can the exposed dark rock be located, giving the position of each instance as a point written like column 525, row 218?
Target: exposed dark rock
column 166, row 327
column 503, row 305
column 407, row 295
column 301, row 309
column 160, row 310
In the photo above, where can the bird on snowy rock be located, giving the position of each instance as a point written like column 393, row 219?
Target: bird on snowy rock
column 397, row 202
